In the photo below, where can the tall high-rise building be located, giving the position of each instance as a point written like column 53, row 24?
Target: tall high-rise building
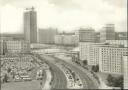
column 86, row 35
column 107, row 33
column 30, row 25
column 125, row 72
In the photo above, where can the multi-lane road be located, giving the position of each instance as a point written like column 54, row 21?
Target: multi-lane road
column 60, row 79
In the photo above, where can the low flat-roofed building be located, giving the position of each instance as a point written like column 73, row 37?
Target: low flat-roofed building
column 17, row 46
column 66, row 39
column 118, row 42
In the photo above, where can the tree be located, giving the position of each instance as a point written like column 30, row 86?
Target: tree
column 118, row 82
column 115, row 81
column 110, row 80
column 95, row 68
column 85, row 62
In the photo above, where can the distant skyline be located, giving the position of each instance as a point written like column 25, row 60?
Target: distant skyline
column 66, row 15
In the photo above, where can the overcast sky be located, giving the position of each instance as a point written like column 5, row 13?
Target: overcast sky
column 65, row 15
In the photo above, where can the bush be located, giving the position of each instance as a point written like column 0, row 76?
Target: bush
column 115, row 81
column 85, row 62
column 95, row 68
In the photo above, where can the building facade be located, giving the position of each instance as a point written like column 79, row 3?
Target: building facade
column 118, row 42
column 108, row 57
column 125, row 59
column 111, row 59
column 30, row 25
column 86, row 35
column 66, row 40
column 84, row 50
column 121, row 36
column 90, row 52
column 107, row 33
column 97, row 37
column 46, row 36
column 59, row 39
column 17, row 46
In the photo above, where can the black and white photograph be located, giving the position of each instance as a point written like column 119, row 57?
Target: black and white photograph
column 63, row 45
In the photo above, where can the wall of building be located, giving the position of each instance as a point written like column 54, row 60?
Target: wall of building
column 30, row 26
column 118, row 42
column 46, row 36
column 15, row 46
column 86, row 35
column 110, row 59
column 125, row 59
column 66, row 40
column 107, row 33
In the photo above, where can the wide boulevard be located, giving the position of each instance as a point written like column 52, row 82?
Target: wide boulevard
column 59, row 81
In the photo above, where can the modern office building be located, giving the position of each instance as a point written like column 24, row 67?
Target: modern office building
column 85, row 48
column 111, row 59
column 11, row 36
column 125, row 60
column 30, row 25
column 108, row 57
column 107, row 33
column 2, row 47
column 4, row 38
column 86, row 34
column 97, row 37
column 46, row 36
column 70, row 40
column 59, row 39
column 17, row 46
column 90, row 52
column 118, row 42
column 66, row 39
column 121, row 36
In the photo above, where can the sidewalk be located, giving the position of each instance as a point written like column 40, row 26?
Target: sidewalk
column 48, row 80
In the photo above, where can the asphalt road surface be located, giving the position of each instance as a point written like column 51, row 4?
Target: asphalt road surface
column 59, row 79
column 87, row 82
